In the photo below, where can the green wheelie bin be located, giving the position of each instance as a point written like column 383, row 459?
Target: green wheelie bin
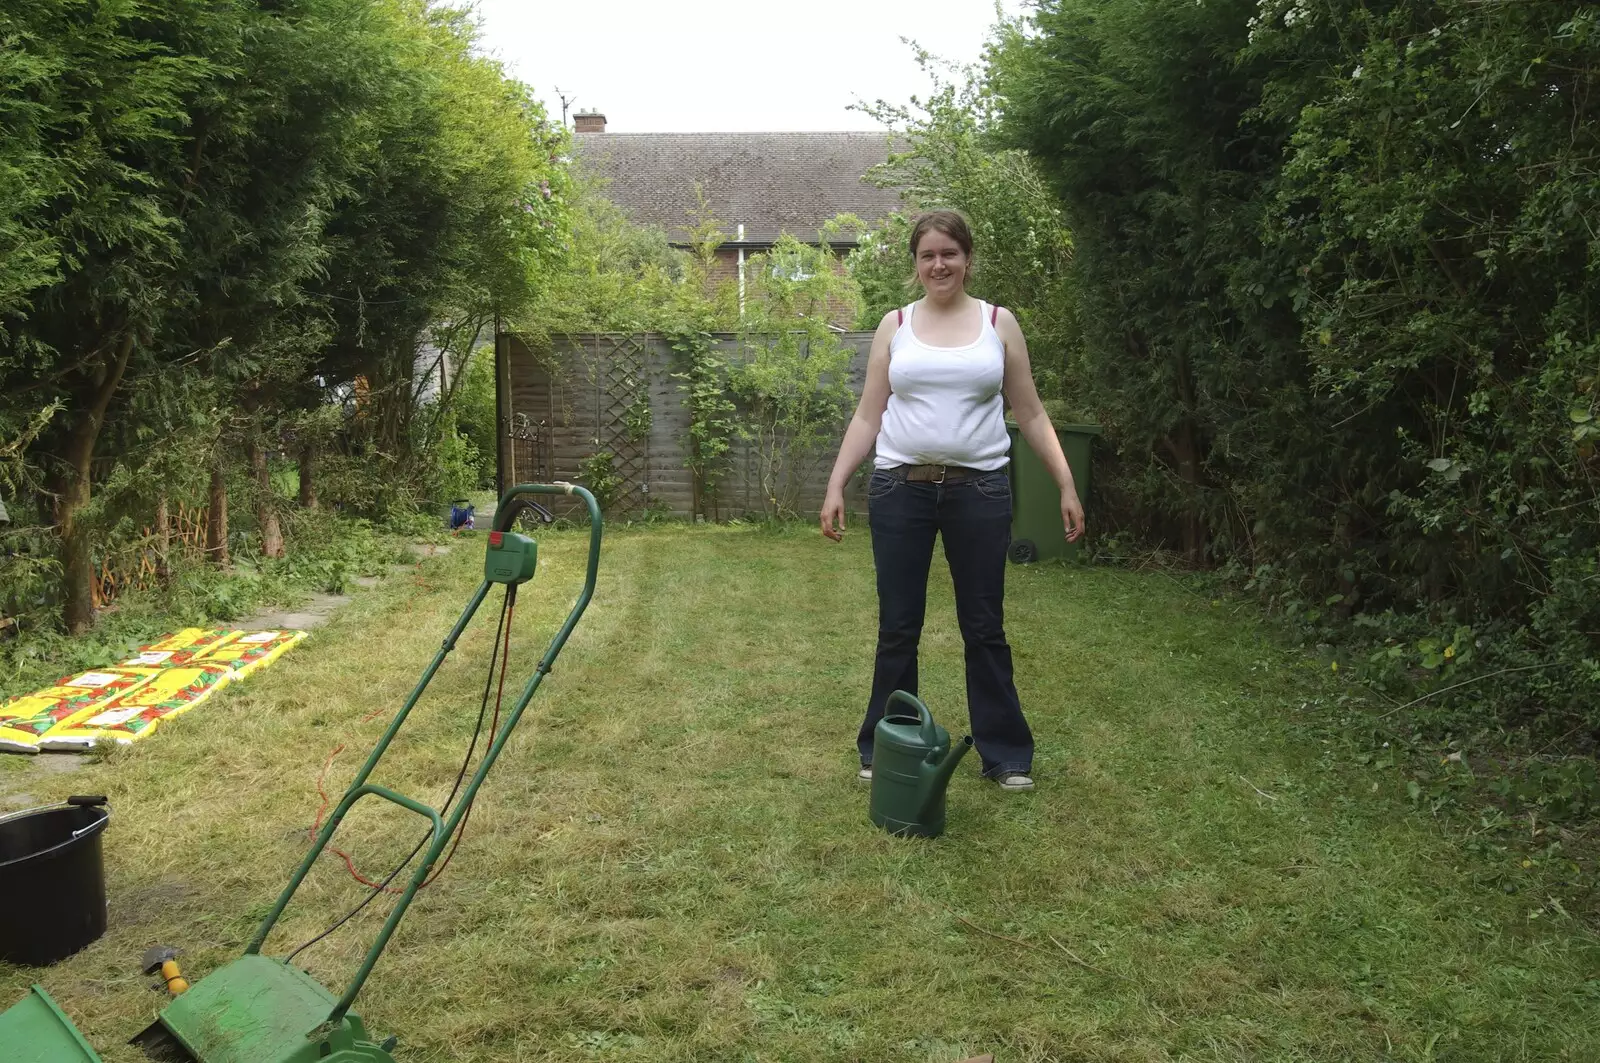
column 1036, row 530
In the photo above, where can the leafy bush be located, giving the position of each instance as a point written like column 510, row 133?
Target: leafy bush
column 326, row 551
column 792, row 377
column 598, row 472
column 474, row 411
column 220, row 222
column 1336, row 273
column 455, row 467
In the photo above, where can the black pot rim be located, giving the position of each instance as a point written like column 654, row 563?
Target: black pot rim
column 90, row 831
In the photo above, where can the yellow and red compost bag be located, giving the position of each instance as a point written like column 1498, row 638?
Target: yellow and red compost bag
column 133, row 715
column 179, row 648
column 244, row 652
column 241, row 652
column 126, row 701
column 24, row 719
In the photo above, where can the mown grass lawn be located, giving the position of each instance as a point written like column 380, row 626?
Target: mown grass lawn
column 672, row 862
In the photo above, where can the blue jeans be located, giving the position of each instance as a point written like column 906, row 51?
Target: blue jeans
column 973, row 517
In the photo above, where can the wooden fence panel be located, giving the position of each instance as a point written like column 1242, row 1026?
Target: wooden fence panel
column 592, row 393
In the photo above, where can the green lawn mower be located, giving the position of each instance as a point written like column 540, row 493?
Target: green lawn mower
column 258, row 1009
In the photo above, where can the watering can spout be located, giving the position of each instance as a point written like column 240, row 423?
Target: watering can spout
column 936, row 775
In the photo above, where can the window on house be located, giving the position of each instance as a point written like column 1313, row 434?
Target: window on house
column 790, row 267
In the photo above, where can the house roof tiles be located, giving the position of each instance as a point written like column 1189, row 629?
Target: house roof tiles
column 770, row 182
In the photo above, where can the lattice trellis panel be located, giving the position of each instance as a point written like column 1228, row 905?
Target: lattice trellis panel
column 615, row 393
column 622, row 414
column 530, row 449
column 592, row 397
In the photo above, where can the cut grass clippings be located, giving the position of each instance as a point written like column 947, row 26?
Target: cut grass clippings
column 672, row 861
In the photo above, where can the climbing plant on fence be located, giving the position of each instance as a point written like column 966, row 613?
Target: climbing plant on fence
column 792, row 376
column 701, row 373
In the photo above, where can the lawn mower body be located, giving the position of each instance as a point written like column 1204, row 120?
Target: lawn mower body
column 257, row 1009
column 260, row 1010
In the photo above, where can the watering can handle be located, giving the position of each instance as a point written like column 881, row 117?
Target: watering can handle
column 928, row 734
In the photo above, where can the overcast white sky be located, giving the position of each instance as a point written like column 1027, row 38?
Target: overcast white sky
column 729, row 65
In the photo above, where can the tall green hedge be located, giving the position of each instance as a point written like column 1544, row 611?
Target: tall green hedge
column 218, row 215
column 1338, row 265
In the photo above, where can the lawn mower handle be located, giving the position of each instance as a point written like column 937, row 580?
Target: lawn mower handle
column 505, row 514
column 442, row 833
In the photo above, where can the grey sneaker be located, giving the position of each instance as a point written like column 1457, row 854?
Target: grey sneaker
column 865, row 774
column 1014, row 780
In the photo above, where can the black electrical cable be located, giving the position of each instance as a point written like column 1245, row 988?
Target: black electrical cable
column 477, row 731
column 460, row 777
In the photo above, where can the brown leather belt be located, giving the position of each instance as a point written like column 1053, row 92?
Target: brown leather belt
column 938, row 474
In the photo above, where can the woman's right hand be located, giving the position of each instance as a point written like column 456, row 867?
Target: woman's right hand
column 833, row 514
column 863, row 430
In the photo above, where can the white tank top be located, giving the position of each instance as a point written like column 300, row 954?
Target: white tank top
column 946, row 406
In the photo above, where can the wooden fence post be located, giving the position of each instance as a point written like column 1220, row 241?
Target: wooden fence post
column 504, row 458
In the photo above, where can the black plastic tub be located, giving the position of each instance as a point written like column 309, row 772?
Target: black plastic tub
column 52, row 881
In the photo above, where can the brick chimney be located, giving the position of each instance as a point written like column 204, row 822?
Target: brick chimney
column 588, row 122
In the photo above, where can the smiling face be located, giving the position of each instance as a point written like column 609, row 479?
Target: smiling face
column 941, row 263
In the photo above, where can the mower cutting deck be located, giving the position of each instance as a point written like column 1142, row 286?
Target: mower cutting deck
column 259, row 1010
column 262, row 1010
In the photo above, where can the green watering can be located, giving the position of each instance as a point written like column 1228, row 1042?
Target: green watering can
column 912, row 761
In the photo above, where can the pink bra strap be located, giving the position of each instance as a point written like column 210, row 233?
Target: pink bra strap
column 994, row 314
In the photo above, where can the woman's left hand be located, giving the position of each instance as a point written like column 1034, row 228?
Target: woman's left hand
column 1072, row 514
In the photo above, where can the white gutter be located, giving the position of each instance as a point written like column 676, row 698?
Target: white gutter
column 741, row 269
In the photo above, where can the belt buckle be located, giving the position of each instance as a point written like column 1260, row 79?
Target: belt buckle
column 941, row 469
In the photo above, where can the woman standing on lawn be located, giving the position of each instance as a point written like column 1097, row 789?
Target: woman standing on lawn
column 939, row 376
